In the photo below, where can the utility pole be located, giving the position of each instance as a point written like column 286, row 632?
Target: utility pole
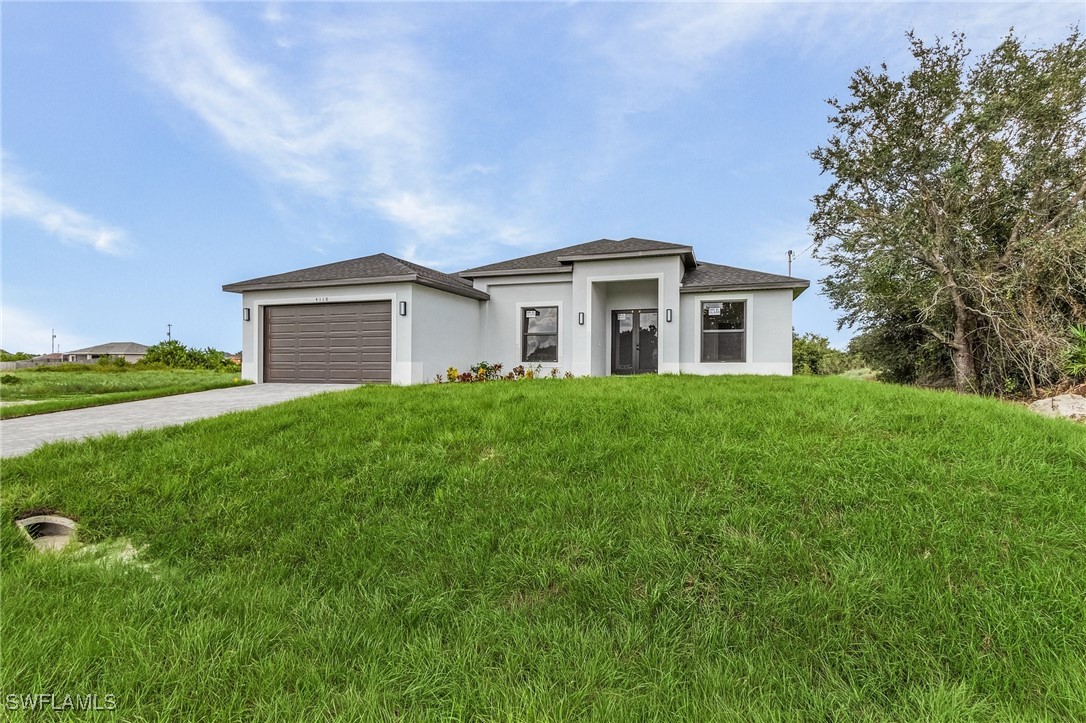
column 791, row 255
column 169, row 332
column 53, row 343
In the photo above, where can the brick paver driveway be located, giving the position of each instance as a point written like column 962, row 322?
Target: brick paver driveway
column 24, row 434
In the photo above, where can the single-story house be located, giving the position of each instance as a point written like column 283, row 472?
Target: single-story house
column 130, row 351
column 599, row 308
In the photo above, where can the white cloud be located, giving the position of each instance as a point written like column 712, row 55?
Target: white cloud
column 21, row 330
column 273, row 14
column 19, row 200
column 655, row 51
column 359, row 120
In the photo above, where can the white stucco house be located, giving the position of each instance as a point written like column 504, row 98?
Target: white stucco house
column 599, row 308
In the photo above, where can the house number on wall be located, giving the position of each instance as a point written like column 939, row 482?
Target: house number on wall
column 321, row 298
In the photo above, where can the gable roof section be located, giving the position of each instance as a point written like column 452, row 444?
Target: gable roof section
column 113, row 348
column 716, row 277
column 559, row 260
column 376, row 269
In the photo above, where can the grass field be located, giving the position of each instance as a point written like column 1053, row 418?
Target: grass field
column 37, row 392
column 651, row 548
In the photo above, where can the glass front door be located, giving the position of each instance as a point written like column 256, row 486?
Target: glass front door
column 634, row 341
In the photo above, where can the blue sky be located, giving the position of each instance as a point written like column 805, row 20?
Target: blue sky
column 153, row 152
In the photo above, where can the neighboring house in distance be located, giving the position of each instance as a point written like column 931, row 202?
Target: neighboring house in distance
column 599, row 308
column 130, row 351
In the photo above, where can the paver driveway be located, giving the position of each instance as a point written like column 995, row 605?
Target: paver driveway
column 24, row 434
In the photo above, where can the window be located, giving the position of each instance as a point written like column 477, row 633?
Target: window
column 540, row 334
column 723, row 337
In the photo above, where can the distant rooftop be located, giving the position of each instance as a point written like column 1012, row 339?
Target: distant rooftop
column 113, row 348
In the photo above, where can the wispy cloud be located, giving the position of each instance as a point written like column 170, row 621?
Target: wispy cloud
column 20, row 200
column 359, row 107
column 655, row 51
column 357, row 120
column 642, row 57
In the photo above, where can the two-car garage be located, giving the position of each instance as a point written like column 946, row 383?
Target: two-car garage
column 371, row 320
column 340, row 343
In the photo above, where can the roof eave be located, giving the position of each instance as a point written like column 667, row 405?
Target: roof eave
column 243, row 286
column 686, row 252
column 798, row 286
column 461, row 289
column 470, row 274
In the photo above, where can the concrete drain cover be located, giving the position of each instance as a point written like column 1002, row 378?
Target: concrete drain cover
column 48, row 532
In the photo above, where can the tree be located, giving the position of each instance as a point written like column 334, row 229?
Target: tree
column 945, row 185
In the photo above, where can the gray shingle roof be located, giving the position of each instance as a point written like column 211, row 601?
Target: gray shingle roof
column 113, row 348
column 559, row 259
column 715, row 277
column 382, row 268
column 379, row 268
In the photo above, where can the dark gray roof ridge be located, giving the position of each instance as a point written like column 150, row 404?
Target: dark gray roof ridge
column 557, row 260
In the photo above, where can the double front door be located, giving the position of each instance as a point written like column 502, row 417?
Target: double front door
column 634, row 341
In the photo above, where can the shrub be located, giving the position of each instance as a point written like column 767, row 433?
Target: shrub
column 903, row 353
column 113, row 362
column 65, row 367
column 175, row 355
column 171, row 353
column 14, row 356
column 486, row 372
column 9, row 379
column 812, row 354
column 1076, row 354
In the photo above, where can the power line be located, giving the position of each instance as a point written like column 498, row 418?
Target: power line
column 792, row 255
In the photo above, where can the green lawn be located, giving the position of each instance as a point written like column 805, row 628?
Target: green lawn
column 50, row 390
column 652, row 548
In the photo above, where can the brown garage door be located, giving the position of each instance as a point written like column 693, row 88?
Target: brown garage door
column 328, row 342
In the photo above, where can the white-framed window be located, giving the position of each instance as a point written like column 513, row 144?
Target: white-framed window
column 723, row 331
column 539, row 334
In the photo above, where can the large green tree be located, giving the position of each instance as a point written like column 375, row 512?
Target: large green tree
column 956, row 202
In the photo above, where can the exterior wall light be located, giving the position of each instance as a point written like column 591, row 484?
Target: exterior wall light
column 580, row 318
column 668, row 316
column 245, row 314
column 403, row 308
